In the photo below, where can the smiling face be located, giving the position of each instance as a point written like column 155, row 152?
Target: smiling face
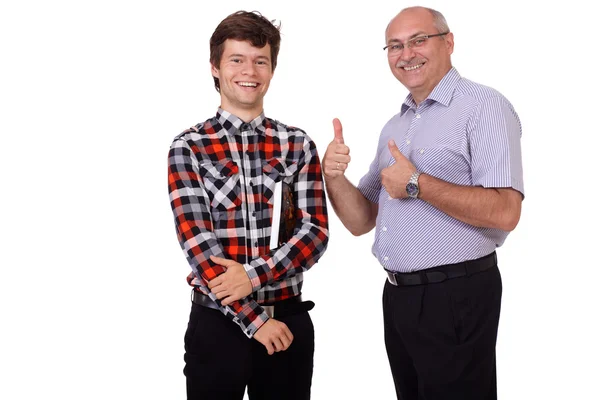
column 244, row 75
column 418, row 68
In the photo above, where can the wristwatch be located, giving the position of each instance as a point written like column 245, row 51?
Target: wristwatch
column 412, row 187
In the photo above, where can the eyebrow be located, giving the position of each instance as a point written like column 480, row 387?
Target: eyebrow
column 242, row 55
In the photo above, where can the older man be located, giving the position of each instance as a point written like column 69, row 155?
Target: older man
column 443, row 192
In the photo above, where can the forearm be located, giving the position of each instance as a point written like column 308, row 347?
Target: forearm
column 356, row 212
column 474, row 205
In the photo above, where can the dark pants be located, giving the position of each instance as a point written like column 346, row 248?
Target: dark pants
column 441, row 337
column 221, row 361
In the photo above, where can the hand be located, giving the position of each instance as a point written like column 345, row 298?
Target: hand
column 395, row 177
column 274, row 335
column 231, row 285
column 337, row 155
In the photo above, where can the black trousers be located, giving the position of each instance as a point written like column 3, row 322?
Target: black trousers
column 220, row 361
column 441, row 337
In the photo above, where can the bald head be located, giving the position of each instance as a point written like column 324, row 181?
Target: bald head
column 436, row 18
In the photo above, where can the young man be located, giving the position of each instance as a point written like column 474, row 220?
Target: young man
column 251, row 216
column 443, row 192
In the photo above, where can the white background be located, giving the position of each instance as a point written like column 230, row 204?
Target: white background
column 93, row 299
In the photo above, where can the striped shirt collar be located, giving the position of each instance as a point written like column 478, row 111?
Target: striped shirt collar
column 234, row 125
column 442, row 93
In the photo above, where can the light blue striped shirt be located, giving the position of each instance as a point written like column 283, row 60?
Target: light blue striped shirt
column 463, row 133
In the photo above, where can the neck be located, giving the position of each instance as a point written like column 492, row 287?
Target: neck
column 244, row 114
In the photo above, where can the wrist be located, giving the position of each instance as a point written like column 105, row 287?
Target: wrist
column 412, row 186
column 252, row 277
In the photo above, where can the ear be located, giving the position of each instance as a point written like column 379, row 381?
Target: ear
column 214, row 70
column 450, row 42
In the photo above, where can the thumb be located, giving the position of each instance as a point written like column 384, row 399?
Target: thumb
column 394, row 150
column 337, row 131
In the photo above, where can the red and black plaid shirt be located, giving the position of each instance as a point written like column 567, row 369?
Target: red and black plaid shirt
column 222, row 175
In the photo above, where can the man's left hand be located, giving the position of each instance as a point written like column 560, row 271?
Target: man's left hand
column 231, row 285
column 395, row 177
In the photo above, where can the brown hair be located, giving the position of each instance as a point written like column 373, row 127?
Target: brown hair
column 248, row 26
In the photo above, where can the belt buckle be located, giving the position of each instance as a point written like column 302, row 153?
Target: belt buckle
column 392, row 278
column 270, row 310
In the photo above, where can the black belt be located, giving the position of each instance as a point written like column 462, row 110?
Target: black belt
column 443, row 272
column 292, row 305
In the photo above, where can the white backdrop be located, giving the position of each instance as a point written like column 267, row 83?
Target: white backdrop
column 93, row 299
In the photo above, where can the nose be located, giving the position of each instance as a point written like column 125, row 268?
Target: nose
column 249, row 69
column 407, row 53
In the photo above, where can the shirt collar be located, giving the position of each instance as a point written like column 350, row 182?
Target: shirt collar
column 442, row 93
column 234, row 125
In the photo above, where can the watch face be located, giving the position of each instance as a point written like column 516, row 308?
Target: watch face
column 412, row 189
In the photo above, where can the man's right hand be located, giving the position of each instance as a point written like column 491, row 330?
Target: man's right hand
column 337, row 156
column 274, row 335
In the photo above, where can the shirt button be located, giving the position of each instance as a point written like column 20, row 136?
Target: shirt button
column 251, row 183
column 255, row 244
column 389, row 197
column 418, row 116
column 384, row 229
column 407, row 141
column 421, row 151
column 385, row 258
column 254, row 213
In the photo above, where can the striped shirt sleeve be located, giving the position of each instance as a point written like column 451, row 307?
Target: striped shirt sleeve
column 495, row 146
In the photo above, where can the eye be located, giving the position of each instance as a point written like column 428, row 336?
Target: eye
column 261, row 62
column 236, row 60
column 396, row 47
column 419, row 41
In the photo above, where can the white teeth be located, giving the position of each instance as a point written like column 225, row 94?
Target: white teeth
column 248, row 84
column 413, row 67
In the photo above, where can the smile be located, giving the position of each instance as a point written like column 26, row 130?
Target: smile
column 413, row 67
column 248, row 84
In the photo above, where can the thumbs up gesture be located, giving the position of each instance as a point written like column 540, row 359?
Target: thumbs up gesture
column 395, row 177
column 337, row 156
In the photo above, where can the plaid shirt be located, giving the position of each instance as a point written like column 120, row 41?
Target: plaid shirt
column 222, row 175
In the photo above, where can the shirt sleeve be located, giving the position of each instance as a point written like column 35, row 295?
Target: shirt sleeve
column 309, row 242
column 193, row 223
column 495, row 145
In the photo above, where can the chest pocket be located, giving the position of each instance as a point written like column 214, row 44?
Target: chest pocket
column 222, row 182
column 276, row 170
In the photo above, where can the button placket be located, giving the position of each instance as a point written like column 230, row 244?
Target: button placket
column 252, row 183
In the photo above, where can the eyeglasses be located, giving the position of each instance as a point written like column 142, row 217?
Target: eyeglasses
column 415, row 43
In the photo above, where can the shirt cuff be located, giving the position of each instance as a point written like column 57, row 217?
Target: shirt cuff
column 254, row 276
column 256, row 324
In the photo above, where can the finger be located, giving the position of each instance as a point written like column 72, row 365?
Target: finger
column 221, row 261
column 337, row 131
column 394, row 150
column 215, row 282
column 289, row 335
column 285, row 340
column 339, row 157
column 341, row 149
column 339, row 166
column 269, row 348
column 277, row 342
column 220, row 295
column 227, row 301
